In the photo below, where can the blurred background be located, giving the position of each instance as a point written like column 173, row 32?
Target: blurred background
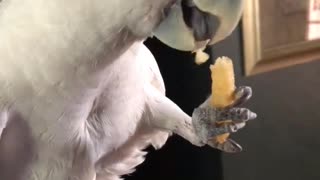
column 283, row 143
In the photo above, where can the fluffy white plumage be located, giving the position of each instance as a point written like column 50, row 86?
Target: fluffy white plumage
column 80, row 95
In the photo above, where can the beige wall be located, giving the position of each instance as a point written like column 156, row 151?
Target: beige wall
column 281, row 23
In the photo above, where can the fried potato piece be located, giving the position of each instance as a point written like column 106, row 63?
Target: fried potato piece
column 201, row 57
column 223, row 87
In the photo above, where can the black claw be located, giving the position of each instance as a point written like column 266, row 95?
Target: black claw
column 231, row 146
column 242, row 95
column 228, row 146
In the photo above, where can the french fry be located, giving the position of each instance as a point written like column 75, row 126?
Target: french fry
column 201, row 57
column 223, row 86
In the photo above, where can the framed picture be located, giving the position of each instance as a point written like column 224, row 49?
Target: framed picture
column 280, row 33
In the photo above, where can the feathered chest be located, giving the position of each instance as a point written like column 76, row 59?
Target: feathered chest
column 117, row 111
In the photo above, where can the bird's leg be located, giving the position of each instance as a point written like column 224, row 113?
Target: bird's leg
column 166, row 115
column 201, row 128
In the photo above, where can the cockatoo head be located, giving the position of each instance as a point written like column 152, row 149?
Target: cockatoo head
column 191, row 25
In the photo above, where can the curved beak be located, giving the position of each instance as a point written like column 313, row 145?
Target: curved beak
column 191, row 25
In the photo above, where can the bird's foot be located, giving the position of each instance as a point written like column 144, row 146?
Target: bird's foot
column 211, row 122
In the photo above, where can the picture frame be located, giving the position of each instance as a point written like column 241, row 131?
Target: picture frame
column 276, row 34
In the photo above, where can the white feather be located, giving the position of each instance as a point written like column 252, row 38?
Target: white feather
column 76, row 74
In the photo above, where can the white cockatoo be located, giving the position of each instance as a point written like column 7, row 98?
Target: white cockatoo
column 81, row 96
